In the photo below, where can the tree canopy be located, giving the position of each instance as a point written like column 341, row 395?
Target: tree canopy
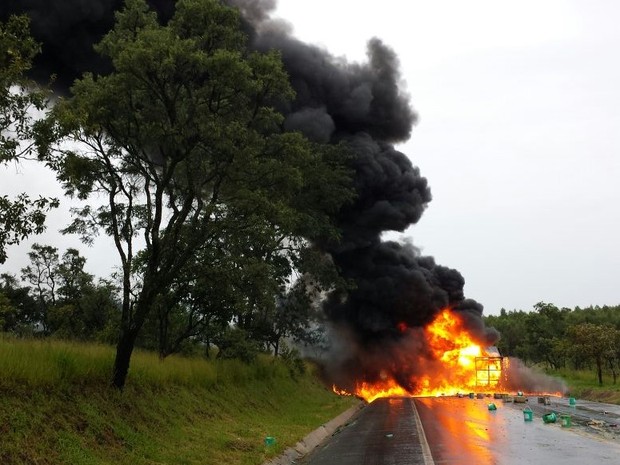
column 20, row 103
column 181, row 155
column 562, row 337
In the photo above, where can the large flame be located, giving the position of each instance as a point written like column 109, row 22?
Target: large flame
column 455, row 363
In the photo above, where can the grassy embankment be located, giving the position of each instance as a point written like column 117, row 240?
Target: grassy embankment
column 583, row 384
column 56, row 407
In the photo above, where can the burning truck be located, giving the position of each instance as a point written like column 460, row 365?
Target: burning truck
column 441, row 359
column 451, row 360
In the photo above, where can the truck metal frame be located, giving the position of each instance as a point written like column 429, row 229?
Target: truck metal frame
column 488, row 371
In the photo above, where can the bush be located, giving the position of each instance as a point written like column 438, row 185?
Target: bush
column 293, row 361
column 235, row 343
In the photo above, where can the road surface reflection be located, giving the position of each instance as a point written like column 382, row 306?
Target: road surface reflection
column 461, row 430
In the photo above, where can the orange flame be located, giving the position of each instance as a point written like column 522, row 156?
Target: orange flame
column 456, row 364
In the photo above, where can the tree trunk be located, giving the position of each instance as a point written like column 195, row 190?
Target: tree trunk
column 130, row 328
column 163, row 336
column 208, row 347
column 124, row 349
column 599, row 372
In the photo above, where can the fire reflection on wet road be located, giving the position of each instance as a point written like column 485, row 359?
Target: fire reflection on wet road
column 464, row 431
column 458, row 431
column 461, row 430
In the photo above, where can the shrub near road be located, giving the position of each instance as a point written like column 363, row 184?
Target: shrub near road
column 54, row 408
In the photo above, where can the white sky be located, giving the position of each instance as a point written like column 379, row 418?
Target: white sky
column 518, row 135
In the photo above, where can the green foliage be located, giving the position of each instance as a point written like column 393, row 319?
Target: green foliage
column 8, row 313
column 20, row 310
column 20, row 218
column 21, row 103
column 62, row 300
column 184, row 140
column 559, row 338
column 19, row 97
column 234, row 343
column 595, row 342
column 292, row 359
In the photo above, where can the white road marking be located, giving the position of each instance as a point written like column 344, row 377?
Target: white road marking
column 426, row 450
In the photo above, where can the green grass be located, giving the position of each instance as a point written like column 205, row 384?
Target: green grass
column 584, row 384
column 57, row 407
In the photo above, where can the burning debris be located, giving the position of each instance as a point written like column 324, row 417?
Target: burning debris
column 406, row 327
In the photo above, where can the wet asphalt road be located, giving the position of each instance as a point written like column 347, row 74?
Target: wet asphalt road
column 385, row 432
column 457, row 431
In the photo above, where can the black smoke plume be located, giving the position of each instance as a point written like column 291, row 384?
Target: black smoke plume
column 362, row 104
column 395, row 285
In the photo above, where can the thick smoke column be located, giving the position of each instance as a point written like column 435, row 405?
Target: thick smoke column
column 361, row 104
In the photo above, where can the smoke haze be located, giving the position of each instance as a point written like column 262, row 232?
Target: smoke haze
column 519, row 377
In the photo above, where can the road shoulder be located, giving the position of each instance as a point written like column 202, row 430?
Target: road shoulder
column 313, row 439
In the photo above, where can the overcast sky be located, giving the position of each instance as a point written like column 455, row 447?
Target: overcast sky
column 518, row 135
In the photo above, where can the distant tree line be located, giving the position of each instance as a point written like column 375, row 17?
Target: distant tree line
column 579, row 338
column 55, row 297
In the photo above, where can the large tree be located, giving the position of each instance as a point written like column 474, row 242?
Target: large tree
column 184, row 145
column 20, row 103
column 597, row 343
